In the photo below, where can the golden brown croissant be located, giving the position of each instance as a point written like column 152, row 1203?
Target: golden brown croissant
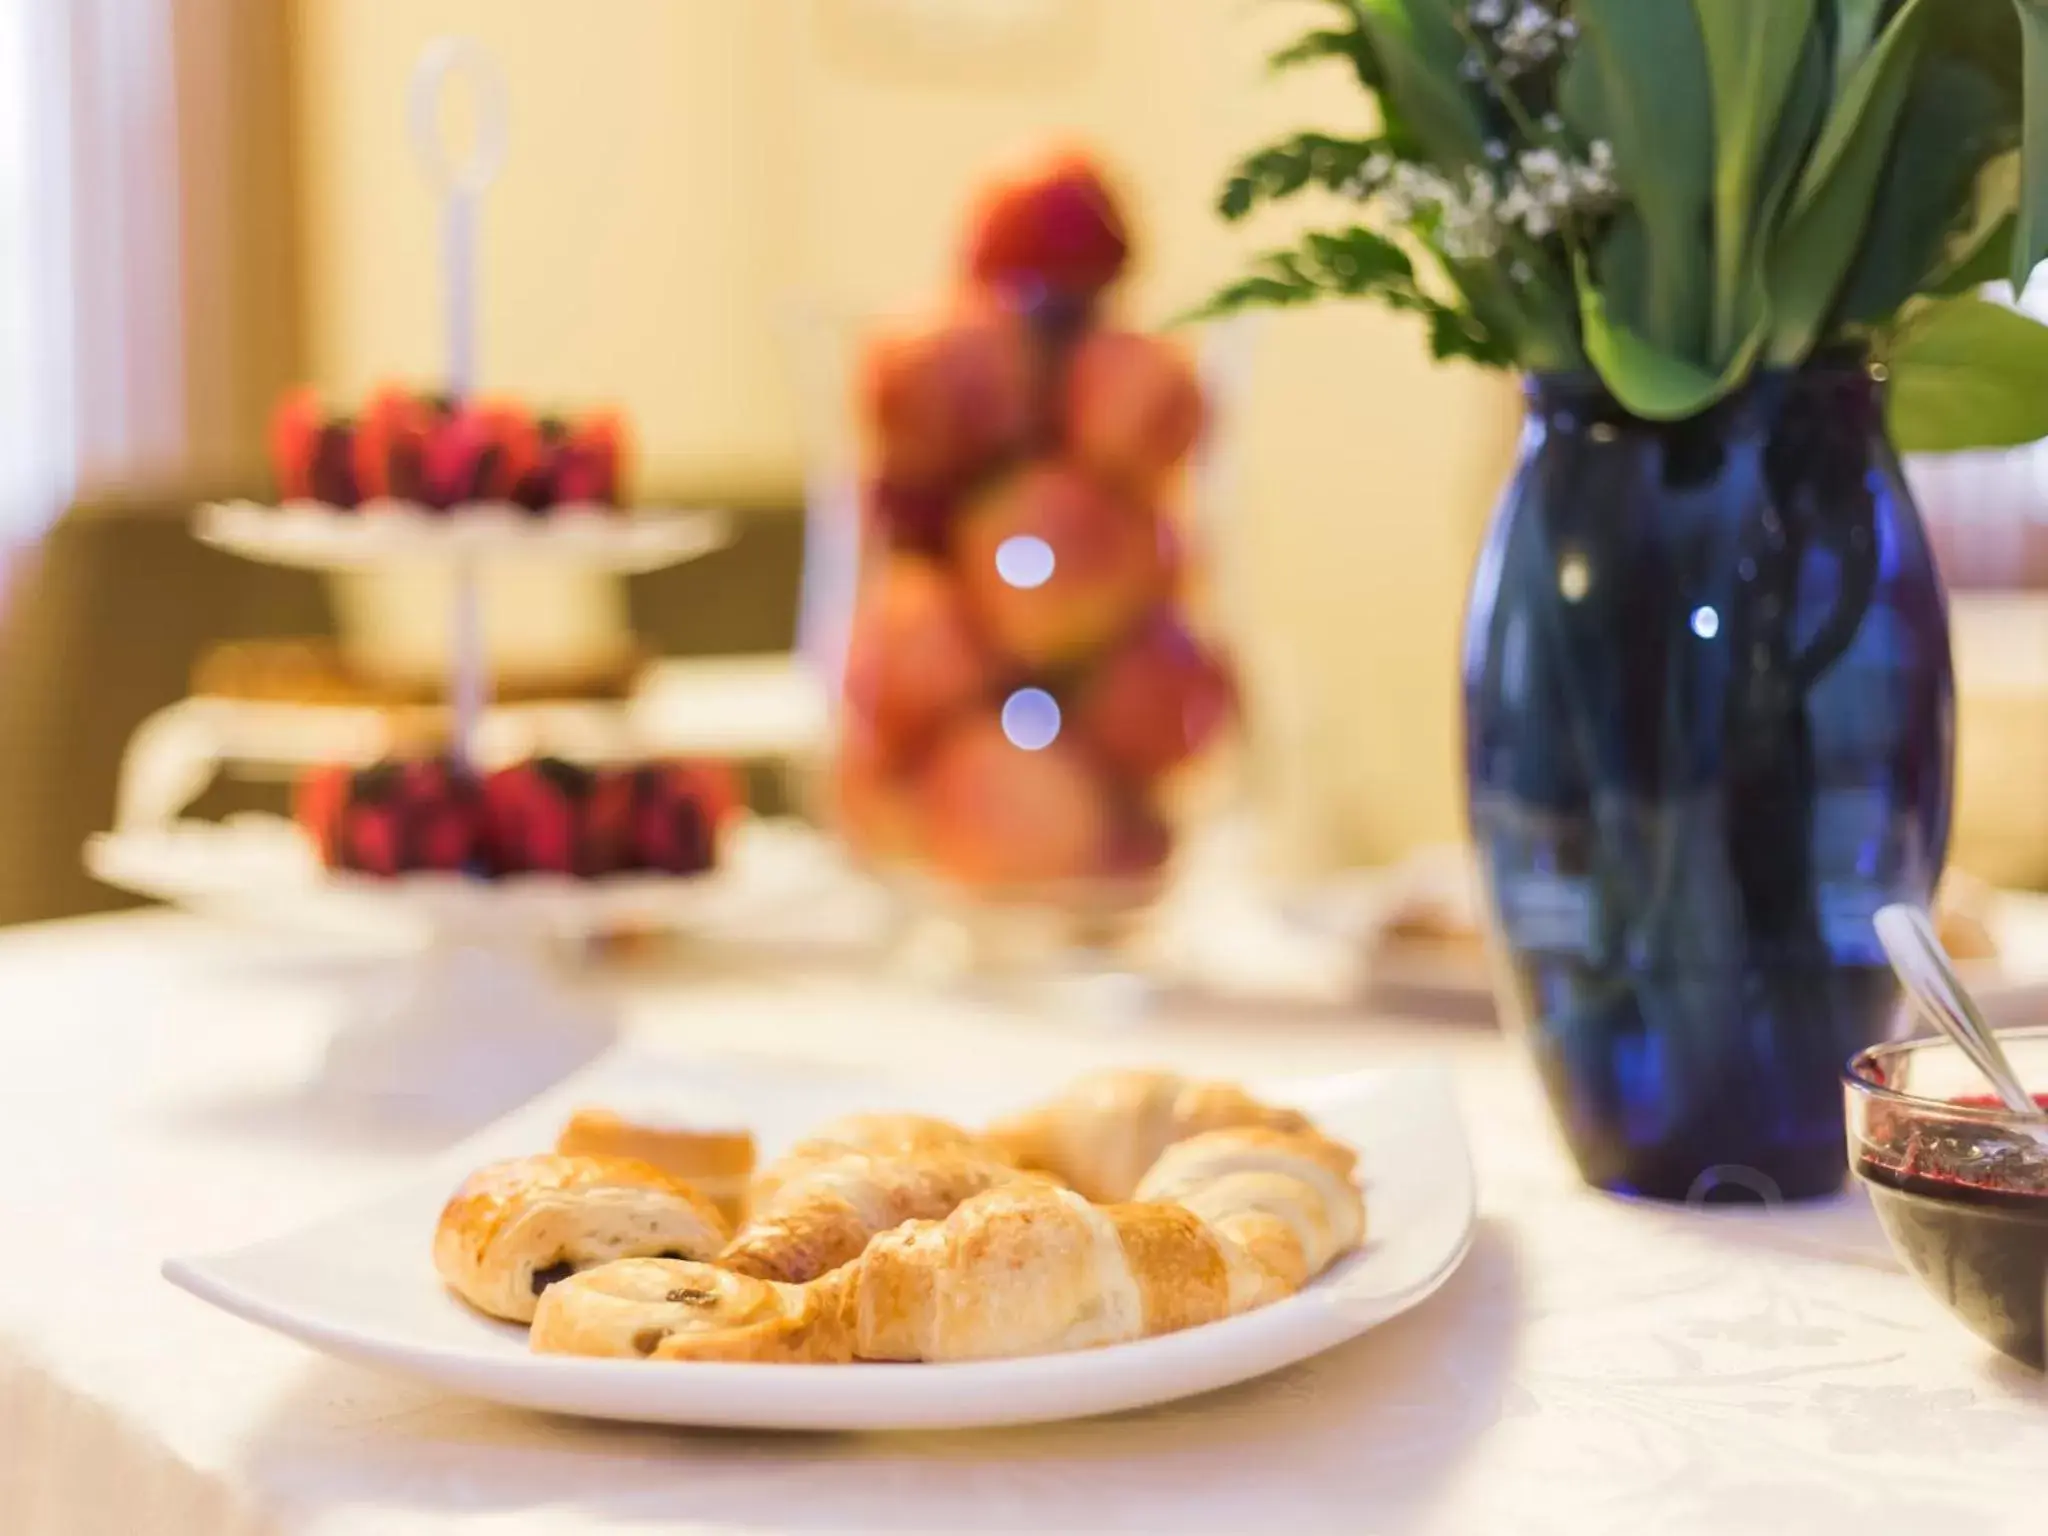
column 663, row 1309
column 886, row 1134
column 1106, row 1129
column 1031, row 1269
column 1286, row 1198
column 823, row 1213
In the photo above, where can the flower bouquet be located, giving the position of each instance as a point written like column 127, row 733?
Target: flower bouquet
column 1737, row 248
column 1679, row 194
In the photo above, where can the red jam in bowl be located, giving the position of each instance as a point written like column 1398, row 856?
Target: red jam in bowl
column 1966, row 1207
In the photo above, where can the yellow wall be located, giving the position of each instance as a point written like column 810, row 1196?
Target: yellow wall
column 682, row 171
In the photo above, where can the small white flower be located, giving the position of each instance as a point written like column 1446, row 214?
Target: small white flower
column 1488, row 14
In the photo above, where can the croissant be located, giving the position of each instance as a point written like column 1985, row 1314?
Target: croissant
column 887, row 1134
column 1106, row 1129
column 1032, row 1269
column 821, row 1214
column 665, row 1309
column 1286, row 1198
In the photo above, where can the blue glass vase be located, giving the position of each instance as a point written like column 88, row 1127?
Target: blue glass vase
column 1709, row 714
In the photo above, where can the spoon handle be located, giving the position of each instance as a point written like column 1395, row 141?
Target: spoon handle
column 1929, row 977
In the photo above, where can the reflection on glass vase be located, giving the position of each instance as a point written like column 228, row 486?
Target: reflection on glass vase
column 1030, row 705
column 1709, row 722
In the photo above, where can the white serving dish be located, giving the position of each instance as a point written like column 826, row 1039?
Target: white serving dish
column 360, row 1285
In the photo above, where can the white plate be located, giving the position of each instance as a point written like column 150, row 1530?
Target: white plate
column 254, row 865
column 360, row 1285
column 316, row 536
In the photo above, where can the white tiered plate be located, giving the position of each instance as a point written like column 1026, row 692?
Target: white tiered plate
column 265, row 868
column 359, row 1285
column 314, row 535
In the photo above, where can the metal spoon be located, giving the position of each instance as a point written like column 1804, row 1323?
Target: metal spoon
column 1929, row 976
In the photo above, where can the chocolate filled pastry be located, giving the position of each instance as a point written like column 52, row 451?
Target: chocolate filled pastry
column 515, row 1228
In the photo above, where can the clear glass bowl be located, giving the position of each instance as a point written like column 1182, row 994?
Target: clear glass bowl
column 1020, row 768
column 1960, row 1184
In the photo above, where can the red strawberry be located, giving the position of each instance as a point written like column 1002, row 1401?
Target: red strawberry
column 443, row 817
column 592, row 461
column 537, row 815
column 677, row 812
column 536, row 489
column 334, row 465
column 480, row 452
column 318, row 803
column 295, row 427
column 391, row 445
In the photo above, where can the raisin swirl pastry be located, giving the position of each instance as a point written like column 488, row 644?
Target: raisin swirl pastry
column 515, row 1228
column 660, row 1309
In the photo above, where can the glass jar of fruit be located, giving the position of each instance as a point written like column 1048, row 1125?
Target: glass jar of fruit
column 1029, row 709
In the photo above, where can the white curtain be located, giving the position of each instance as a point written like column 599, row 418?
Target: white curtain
column 91, row 350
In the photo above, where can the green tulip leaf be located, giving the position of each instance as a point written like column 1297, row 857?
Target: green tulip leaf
column 2030, row 237
column 1929, row 189
column 1649, row 380
column 1754, row 49
column 1855, row 26
column 1832, row 206
column 1968, row 373
column 1638, row 79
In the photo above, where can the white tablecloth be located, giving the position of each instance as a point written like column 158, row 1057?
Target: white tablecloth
column 1594, row 1367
